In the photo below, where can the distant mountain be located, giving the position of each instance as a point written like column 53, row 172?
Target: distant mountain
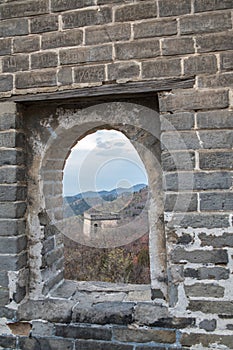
column 112, row 193
column 82, row 202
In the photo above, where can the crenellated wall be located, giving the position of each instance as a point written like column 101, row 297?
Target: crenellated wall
column 162, row 72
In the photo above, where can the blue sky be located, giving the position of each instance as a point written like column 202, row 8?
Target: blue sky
column 103, row 160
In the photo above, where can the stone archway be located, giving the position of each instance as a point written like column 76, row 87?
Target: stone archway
column 142, row 127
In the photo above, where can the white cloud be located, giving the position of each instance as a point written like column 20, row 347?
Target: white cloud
column 100, row 138
column 100, row 161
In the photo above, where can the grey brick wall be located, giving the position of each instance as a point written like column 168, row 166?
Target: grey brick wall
column 13, row 238
column 47, row 46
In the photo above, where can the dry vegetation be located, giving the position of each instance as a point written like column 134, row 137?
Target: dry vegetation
column 125, row 264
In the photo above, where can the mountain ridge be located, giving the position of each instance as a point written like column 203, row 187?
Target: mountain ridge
column 114, row 192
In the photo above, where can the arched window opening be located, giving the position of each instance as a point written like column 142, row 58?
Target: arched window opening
column 105, row 188
column 59, row 223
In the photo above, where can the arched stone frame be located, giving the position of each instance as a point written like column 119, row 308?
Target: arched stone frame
column 142, row 127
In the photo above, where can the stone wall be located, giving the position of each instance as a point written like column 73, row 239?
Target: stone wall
column 58, row 58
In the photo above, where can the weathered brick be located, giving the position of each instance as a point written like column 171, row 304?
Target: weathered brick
column 183, row 239
column 6, row 82
column 155, row 28
column 226, row 240
column 12, row 210
column 64, row 76
column 53, row 310
column 138, row 49
column 53, row 256
column 108, row 33
column 161, row 68
column 103, row 313
column 208, row 325
column 9, row 118
column 5, row 46
column 177, row 121
column 212, row 307
column 26, row 44
column 133, row 12
column 184, row 140
column 200, row 64
column 24, row 9
column 206, row 339
column 15, row 63
column 48, row 245
column 41, row 24
column 61, row 39
column 215, row 42
column 150, row 314
column 212, row 273
column 52, row 175
column 226, row 61
column 90, row 345
column 53, row 281
column 177, row 46
column 210, row 290
column 11, row 174
column 50, row 280
column 82, row 332
column 209, row 5
column 44, row 60
column 4, row 281
column 87, row 54
column 8, row 342
column 13, row 262
column 172, row 161
column 36, row 79
column 199, row 220
column 11, row 139
column 175, row 322
column 12, row 193
column 192, row 99
column 214, row 139
column 215, row 119
column 212, row 81
column 12, row 227
column 205, row 23
column 18, row 296
column 84, row 18
column 182, row 202
column 13, row 27
column 174, row 8
column 144, row 336
column 4, row 298
column 216, row 201
column 8, row 313
column 123, row 70
column 216, row 256
column 198, row 181
column 45, row 343
column 42, row 328
column 216, row 160
column 60, row 5
column 11, row 157
column 13, row 245
column 90, row 74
